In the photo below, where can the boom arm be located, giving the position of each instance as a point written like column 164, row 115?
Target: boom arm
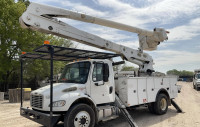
column 42, row 18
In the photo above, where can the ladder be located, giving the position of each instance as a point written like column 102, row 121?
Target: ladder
column 125, row 113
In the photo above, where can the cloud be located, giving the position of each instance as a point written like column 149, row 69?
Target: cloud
column 130, row 44
column 74, row 6
column 84, row 9
column 181, row 60
column 153, row 11
column 185, row 32
column 165, row 11
column 86, row 47
column 171, row 57
column 108, row 33
column 165, row 44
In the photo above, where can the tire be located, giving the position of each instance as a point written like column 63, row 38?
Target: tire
column 196, row 87
column 161, row 104
column 193, row 86
column 151, row 108
column 80, row 115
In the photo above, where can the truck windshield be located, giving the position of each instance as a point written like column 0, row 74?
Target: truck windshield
column 75, row 73
column 198, row 76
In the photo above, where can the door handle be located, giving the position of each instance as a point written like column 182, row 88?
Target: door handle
column 110, row 90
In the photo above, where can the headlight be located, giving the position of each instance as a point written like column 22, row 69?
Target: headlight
column 58, row 103
column 47, row 97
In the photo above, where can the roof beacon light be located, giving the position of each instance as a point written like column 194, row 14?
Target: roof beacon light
column 23, row 53
column 46, row 42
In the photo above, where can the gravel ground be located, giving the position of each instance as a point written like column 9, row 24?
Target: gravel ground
column 188, row 100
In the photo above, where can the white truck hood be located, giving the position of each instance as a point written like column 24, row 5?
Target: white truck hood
column 59, row 89
column 198, row 80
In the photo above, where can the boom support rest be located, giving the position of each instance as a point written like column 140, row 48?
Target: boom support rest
column 179, row 110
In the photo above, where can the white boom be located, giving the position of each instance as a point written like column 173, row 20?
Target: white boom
column 43, row 18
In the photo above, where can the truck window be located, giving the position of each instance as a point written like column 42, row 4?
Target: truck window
column 198, row 76
column 75, row 73
column 97, row 74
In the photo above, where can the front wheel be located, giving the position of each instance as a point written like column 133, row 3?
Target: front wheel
column 196, row 87
column 161, row 104
column 80, row 115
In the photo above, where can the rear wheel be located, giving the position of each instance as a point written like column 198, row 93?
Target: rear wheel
column 80, row 115
column 161, row 104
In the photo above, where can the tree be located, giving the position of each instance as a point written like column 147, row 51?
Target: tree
column 180, row 73
column 187, row 73
column 14, row 40
column 127, row 68
column 173, row 72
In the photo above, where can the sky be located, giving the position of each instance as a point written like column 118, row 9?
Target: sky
column 180, row 17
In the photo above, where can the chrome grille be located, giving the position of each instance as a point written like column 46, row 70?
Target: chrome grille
column 36, row 101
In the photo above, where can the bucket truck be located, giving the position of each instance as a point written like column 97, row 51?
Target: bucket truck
column 87, row 91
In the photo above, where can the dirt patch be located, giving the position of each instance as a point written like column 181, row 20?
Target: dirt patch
column 188, row 100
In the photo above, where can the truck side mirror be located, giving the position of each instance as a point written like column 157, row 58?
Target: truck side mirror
column 195, row 76
column 105, row 72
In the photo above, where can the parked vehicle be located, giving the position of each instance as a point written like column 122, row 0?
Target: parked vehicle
column 196, row 79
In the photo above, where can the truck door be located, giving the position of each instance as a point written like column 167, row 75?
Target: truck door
column 100, row 86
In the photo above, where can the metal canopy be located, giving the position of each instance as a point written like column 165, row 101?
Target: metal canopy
column 66, row 54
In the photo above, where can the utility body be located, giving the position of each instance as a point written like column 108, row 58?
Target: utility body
column 89, row 90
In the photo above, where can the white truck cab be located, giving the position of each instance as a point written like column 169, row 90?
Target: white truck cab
column 91, row 79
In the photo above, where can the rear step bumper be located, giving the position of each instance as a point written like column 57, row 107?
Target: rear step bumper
column 41, row 118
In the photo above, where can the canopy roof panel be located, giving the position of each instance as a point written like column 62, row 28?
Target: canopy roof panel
column 66, row 54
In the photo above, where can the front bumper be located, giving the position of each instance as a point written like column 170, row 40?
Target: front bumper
column 41, row 118
column 198, row 84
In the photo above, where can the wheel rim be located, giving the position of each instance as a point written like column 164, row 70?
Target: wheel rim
column 163, row 104
column 82, row 119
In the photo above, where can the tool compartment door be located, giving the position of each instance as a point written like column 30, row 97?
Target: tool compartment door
column 132, row 89
column 173, row 87
column 150, row 90
column 142, row 90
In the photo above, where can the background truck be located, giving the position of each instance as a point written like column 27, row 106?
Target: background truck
column 88, row 90
column 196, row 79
